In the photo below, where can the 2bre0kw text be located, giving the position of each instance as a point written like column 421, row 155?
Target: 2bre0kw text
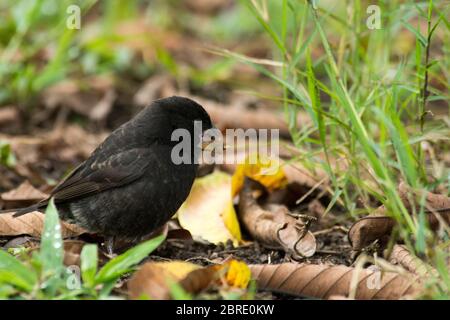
column 226, row 309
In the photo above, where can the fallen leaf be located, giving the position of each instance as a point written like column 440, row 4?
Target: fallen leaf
column 154, row 279
column 296, row 174
column 369, row 229
column 22, row 241
column 70, row 144
column 208, row 212
column 103, row 107
column 402, row 256
column 207, row 6
column 95, row 103
column 154, row 88
column 32, row 224
column 379, row 226
column 325, row 281
column 8, row 114
column 274, row 227
column 264, row 170
column 72, row 252
column 24, row 192
column 238, row 274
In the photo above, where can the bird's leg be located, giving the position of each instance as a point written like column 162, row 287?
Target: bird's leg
column 109, row 244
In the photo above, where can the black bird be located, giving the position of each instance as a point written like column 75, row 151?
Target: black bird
column 130, row 185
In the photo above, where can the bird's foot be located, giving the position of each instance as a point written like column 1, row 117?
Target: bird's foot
column 109, row 246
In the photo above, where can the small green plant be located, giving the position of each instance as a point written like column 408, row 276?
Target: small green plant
column 42, row 275
column 7, row 157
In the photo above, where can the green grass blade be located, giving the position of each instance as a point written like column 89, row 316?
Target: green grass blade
column 122, row 264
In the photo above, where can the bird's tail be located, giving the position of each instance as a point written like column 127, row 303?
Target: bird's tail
column 21, row 211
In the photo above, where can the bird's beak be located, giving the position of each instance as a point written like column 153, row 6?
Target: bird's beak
column 214, row 144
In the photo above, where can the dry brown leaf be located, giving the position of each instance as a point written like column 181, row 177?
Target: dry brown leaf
column 72, row 252
column 402, row 256
column 71, row 142
column 274, row 227
column 24, row 192
column 378, row 226
column 94, row 103
column 324, row 281
column 207, row 6
column 369, row 229
column 296, row 174
column 154, row 88
column 8, row 114
column 68, row 144
column 21, row 241
column 153, row 279
column 103, row 107
column 32, row 224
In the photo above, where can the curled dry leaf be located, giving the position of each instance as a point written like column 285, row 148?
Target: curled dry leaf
column 153, row 279
column 402, row 256
column 324, row 281
column 208, row 212
column 369, row 229
column 274, row 227
column 32, row 224
column 378, row 226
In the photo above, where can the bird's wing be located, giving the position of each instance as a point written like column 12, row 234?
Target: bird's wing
column 117, row 170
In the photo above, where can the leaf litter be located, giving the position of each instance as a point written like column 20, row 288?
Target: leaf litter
column 259, row 226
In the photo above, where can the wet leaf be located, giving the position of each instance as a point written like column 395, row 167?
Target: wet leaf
column 51, row 252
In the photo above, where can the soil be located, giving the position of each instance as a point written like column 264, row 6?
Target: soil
column 332, row 248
